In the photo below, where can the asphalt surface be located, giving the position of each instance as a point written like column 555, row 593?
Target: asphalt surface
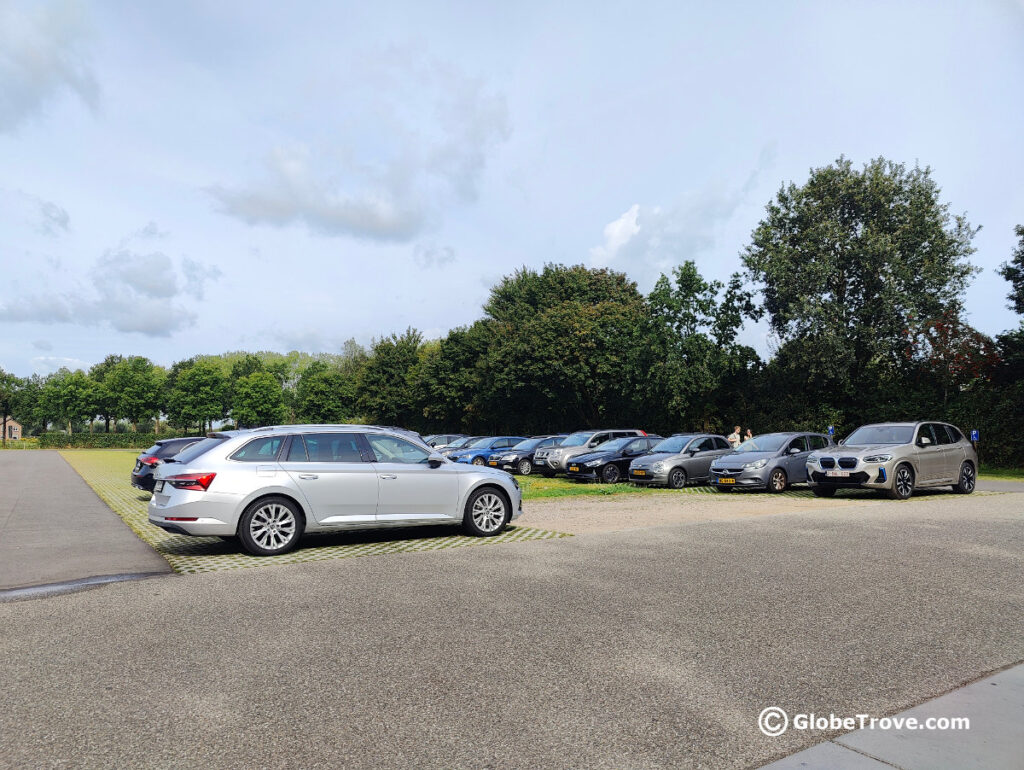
column 54, row 529
column 652, row 647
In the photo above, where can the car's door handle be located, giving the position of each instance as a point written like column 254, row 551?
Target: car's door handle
column 308, row 476
column 388, row 476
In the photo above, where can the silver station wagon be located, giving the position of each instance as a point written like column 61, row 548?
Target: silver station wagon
column 897, row 458
column 270, row 485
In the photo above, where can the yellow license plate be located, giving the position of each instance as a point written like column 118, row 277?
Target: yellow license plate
column 493, row 462
column 726, row 480
column 574, row 467
column 639, row 473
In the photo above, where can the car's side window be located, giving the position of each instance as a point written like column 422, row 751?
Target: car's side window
column 389, row 449
column 798, row 443
column 297, row 451
column 925, row 432
column 635, row 446
column 954, row 434
column 721, row 443
column 941, row 434
column 700, row 445
column 331, row 448
column 817, row 442
column 260, row 450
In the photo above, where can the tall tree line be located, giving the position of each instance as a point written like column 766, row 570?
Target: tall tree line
column 860, row 274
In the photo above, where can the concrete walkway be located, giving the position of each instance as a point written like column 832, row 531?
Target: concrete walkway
column 995, row 739
column 54, row 529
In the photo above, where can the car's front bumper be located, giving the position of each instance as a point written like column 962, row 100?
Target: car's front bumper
column 583, row 474
column 862, row 476
column 740, row 479
column 650, row 478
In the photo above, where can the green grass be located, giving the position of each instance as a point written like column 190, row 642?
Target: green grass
column 108, row 471
column 1001, row 474
column 536, row 487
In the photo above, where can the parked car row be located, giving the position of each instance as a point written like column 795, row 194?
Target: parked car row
column 270, row 485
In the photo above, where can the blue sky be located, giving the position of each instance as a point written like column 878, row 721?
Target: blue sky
column 187, row 177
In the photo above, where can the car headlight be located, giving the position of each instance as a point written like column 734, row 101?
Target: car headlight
column 593, row 463
column 755, row 465
column 658, row 467
column 878, row 459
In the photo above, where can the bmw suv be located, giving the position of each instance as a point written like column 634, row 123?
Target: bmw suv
column 270, row 485
column 896, row 458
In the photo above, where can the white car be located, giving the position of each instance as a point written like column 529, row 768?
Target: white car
column 270, row 485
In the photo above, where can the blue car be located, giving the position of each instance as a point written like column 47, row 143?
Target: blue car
column 483, row 449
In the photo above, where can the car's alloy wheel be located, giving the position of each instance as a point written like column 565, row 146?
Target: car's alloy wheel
column 487, row 513
column 777, row 481
column 677, row 478
column 903, row 483
column 270, row 526
column 525, row 467
column 610, row 474
column 478, row 461
column 968, row 480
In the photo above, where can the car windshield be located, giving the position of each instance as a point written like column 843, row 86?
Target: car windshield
column 197, row 450
column 881, row 434
column 480, row 442
column 770, row 442
column 672, row 444
column 614, row 445
column 577, row 439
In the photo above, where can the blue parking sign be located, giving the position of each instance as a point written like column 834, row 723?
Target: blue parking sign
column 831, row 430
column 975, row 435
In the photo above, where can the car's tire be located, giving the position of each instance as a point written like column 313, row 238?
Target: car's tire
column 525, row 467
column 677, row 478
column 902, row 482
column 968, row 480
column 824, row 491
column 610, row 474
column 270, row 526
column 778, row 481
column 487, row 512
column 478, row 461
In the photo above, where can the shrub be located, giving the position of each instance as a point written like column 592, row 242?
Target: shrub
column 103, row 440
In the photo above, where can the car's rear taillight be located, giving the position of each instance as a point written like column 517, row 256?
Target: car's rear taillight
column 151, row 460
column 200, row 482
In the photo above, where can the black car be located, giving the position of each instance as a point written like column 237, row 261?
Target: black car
column 609, row 462
column 145, row 463
column 519, row 459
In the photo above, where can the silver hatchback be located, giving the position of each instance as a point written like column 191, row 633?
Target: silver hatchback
column 270, row 485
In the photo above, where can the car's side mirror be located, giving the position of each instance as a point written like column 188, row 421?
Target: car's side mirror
column 436, row 460
column 924, row 441
column 795, row 450
column 841, row 441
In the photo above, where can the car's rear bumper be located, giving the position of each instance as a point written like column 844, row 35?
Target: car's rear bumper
column 144, row 482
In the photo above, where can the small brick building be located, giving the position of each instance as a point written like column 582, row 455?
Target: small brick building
column 13, row 429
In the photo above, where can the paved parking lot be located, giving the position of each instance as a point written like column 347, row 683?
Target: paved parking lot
column 652, row 646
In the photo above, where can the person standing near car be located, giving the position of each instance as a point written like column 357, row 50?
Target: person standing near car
column 734, row 437
column 749, row 435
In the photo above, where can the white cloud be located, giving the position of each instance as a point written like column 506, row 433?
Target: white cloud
column 50, row 364
column 432, row 132
column 43, row 216
column 428, row 255
column 41, row 54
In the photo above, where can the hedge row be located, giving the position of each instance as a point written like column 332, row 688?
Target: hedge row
column 102, row 440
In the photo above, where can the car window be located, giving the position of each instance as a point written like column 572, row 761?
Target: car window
column 721, row 443
column 259, row 450
column 198, row 449
column 926, row 432
column 327, row 448
column 817, row 442
column 600, row 438
column 672, row 444
column 701, row 445
column 954, row 434
column 799, row 442
column 296, row 451
column 389, row 449
column 941, row 434
column 881, row 434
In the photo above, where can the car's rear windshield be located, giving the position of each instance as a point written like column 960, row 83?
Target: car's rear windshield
column 881, row 434
column 198, row 449
column 577, row 439
column 672, row 444
column 171, row 448
column 769, row 442
column 614, row 445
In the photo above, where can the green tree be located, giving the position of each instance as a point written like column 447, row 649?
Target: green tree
column 453, row 384
column 257, row 400
column 68, row 397
column 325, row 394
column 9, row 389
column 106, row 397
column 849, row 262
column 386, row 393
column 198, row 394
column 1013, row 271
column 136, row 385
